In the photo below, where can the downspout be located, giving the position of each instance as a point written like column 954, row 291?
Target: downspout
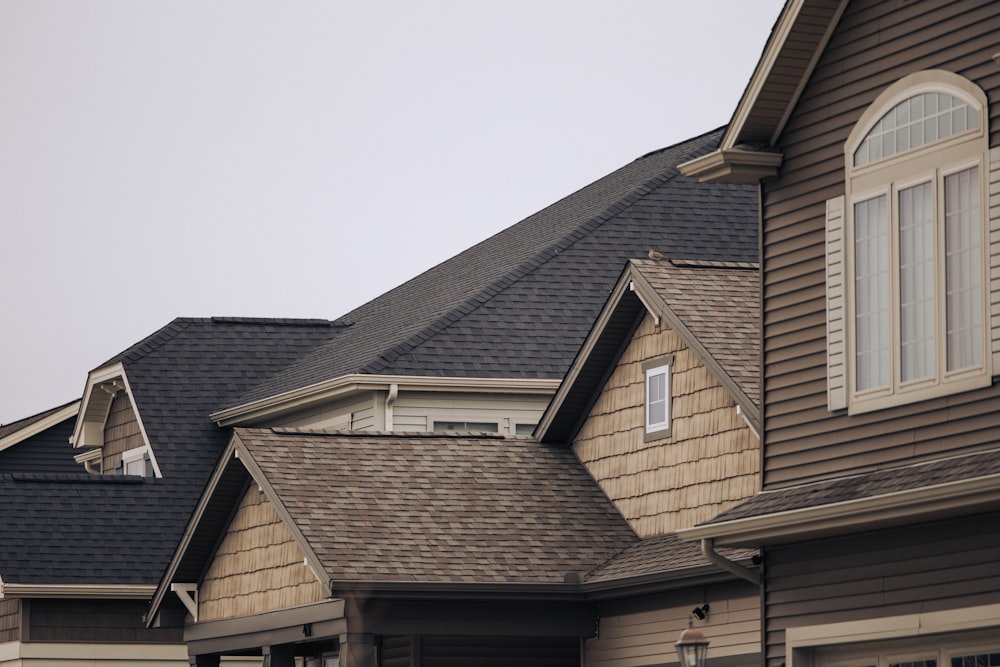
column 708, row 549
column 389, row 402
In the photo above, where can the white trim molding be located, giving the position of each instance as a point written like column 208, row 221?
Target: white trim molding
column 57, row 417
column 77, row 591
column 354, row 383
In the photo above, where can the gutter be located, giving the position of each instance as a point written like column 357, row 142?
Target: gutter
column 77, row 591
column 714, row 557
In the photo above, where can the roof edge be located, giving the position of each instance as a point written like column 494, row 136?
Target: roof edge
column 346, row 385
column 77, row 591
column 900, row 507
column 58, row 416
column 733, row 165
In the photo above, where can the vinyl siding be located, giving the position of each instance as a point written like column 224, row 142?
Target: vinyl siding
column 710, row 461
column 357, row 413
column 94, row 621
column 875, row 44
column 417, row 411
column 914, row 569
column 48, row 451
column 642, row 631
column 258, row 566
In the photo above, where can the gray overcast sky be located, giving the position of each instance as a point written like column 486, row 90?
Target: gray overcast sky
column 296, row 159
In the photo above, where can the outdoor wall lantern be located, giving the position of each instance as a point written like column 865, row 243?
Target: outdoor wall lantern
column 692, row 648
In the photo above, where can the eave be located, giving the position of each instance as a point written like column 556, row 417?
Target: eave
column 863, row 514
column 67, row 412
column 733, row 165
column 78, row 591
column 355, row 383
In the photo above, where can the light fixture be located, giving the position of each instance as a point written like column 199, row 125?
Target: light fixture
column 701, row 612
column 692, row 648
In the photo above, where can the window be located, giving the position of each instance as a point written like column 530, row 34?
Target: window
column 914, row 237
column 657, row 402
column 467, row 426
column 137, row 462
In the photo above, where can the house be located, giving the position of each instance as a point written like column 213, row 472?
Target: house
column 478, row 343
column 873, row 129
column 366, row 548
column 39, row 442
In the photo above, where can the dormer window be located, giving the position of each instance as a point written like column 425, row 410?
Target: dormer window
column 136, row 462
column 915, row 245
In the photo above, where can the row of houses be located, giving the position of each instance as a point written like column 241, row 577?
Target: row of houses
column 744, row 383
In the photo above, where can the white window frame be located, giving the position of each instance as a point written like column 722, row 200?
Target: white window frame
column 466, row 420
column 887, row 177
column 662, row 366
column 140, row 454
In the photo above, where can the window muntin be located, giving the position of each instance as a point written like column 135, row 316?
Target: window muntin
column 916, row 243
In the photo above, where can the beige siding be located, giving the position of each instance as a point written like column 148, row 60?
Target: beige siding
column 10, row 620
column 355, row 413
column 121, row 432
column 633, row 634
column 875, row 44
column 710, row 461
column 417, row 411
column 258, row 567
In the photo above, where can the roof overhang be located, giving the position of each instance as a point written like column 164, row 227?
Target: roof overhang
column 57, row 417
column 733, row 165
column 77, row 591
column 890, row 509
column 346, row 386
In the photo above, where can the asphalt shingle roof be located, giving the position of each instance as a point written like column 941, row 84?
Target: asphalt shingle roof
column 520, row 303
column 410, row 508
column 658, row 555
column 868, row 485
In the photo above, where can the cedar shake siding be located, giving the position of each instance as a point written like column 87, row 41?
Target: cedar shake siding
column 121, row 432
column 874, row 45
column 709, row 462
column 913, row 569
column 257, row 567
column 10, row 620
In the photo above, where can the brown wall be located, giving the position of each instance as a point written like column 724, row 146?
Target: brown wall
column 930, row 567
column 258, row 566
column 10, row 620
column 121, row 432
column 94, row 621
column 875, row 44
column 710, row 461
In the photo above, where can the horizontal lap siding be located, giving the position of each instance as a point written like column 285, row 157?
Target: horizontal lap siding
column 930, row 567
column 499, row 651
column 635, row 633
column 424, row 408
column 94, row 621
column 48, row 451
column 875, row 44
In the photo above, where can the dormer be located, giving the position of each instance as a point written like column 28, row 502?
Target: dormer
column 109, row 432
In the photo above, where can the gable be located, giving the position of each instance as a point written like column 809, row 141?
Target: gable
column 257, row 567
column 709, row 461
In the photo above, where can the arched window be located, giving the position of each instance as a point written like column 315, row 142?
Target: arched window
column 915, row 244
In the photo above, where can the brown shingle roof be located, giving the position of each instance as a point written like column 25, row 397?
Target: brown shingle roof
column 414, row 508
column 658, row 555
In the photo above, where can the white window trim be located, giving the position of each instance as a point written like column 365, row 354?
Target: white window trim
column 485, row 420
column 974, row 623
column 933, row 163
column 652, row 368
column 138, row 454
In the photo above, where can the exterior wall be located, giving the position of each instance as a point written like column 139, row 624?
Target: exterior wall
column 642, row 631
column 417, row 411
column 710, row 461
column 121, row 432
column 875, row 44
column 257, row 567
column 499, row 651
column 48, row 451
column 10, row 620
column 355, row 413
column 17, row 654
column 914, row 569
column 93, row 621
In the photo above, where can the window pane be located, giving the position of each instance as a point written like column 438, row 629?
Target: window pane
column 963, row 270
column 656, row 398
column 871, row 293
column 473, row 427
column 912, row 123
column 916, row 282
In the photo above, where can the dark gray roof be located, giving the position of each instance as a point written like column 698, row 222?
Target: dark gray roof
column 520, row 303
column 88, row 529
column 868, row 485
column 435, row 508
column 13, row 427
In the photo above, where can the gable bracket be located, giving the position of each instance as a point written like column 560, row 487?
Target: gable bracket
column 188, row 594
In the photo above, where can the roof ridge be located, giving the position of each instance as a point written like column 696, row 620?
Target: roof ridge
column 280, row 321
column 408, row 435
column 538, row 259
column 713, row 264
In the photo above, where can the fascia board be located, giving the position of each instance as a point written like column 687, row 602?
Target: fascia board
column 347, row 385
column 78, row 591
column 912, row 505
column 450, row 590
column 658, row 582
column 55, row 418
column 648, row 294
column 733, row 165
column 94, row 378
column 596, row 332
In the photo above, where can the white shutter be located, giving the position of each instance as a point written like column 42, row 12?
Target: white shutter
column 836, row 343
column 993, row 207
